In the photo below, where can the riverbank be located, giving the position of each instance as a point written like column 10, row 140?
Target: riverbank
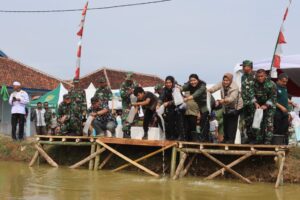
column 257, row 169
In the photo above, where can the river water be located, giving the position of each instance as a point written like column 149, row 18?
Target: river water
column 18, row 181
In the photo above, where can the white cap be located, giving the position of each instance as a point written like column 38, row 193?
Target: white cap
column 16, row 83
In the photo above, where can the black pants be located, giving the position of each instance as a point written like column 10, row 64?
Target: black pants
column 174, row 123
column 281, row 125
column 17, row 119
column 204, row 124
column 190, row 123
column 148, row 118
column 230, row 126
column 41, row 130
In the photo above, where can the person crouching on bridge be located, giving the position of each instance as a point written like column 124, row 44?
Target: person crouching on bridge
column 69, row 117
column 148, row 101
column 104, row 122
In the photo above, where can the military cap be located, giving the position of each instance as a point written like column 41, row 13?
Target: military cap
column 129, row 76
column 247, row 63
column 66, row 96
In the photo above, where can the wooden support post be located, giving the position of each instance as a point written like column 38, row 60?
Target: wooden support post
column 127, row 159
column 186, row 169
column 173, row 161
column 46, row 156
column 180, row 166
column 87, row 158
column 97, row 159
column 106, row 160
column 144, row 157
column 34, row 158
column 213, row 175
column 281, row 160
column 227, row 168
column 91, row 163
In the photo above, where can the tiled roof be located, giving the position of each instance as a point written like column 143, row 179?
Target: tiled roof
column 11, row 70
column 116, row 77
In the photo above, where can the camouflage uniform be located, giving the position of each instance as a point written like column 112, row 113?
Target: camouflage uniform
column 72, row 124
column 48, row 116
column 265, row 94
column 78, row 97
column 125, row 93
column 249, row 108
column 103, row 93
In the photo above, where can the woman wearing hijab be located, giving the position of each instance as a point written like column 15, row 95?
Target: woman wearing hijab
column 197, row 93
column 232, row 103
column 173, row 115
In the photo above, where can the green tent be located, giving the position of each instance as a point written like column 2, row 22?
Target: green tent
column 53, row 97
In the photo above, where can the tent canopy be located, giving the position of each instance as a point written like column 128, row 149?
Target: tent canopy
column 289, row 65
column 54, row 97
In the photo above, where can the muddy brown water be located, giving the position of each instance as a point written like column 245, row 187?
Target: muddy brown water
column 18, row 181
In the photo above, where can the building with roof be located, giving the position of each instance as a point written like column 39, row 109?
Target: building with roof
column 33, row 81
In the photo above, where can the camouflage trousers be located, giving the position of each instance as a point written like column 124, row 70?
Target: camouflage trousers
column 265, row 134
column 248, row 115
column 71, row 126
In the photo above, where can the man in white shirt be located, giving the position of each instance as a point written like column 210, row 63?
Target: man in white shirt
column 18, row 99
column 38, row 116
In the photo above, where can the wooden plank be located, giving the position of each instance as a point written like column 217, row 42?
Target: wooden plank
column 237, row 161
column 62, row 136
column 228, row 152
column 280, row 172
column 126, row 158
column 227, row 168
column 173, row 161
column 91, row 162
column 186, row 169
column 144, row 157
column 97, row 159
column 78, row 164
column 180, row 166
column 126, row 141
column 106, row 160
column 65, row 143
column 34, row 158
column 46, row 156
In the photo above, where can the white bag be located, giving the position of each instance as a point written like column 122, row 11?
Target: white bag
column 258, row 116
column 178, row 99
column 87, row 125
column 238, row 139
column 131, row 115
column 160, row 111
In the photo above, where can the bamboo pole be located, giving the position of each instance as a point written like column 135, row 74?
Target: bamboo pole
column 78, row 164
column 34, row 158
column 144, row 157
column 46, row 156
column 173, row 161
column 91, row 163
column 186, row 169
column 97, row 159
column 279, row 180
column 180, row 166
column 106, row 160
column 228, row 152
column 227, row 168
column 127, row 159
column 213, row 175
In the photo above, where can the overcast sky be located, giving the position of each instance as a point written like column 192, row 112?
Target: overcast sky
column 207, row 37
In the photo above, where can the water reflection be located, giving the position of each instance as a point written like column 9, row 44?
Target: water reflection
column 18, row 181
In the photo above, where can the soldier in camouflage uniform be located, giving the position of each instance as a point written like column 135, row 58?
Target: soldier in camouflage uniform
column 47, row 116
column 126, row 91
column 265, row 96
column 77, row 96
column 103, row 93
column 248, row 79
column 69, row 114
